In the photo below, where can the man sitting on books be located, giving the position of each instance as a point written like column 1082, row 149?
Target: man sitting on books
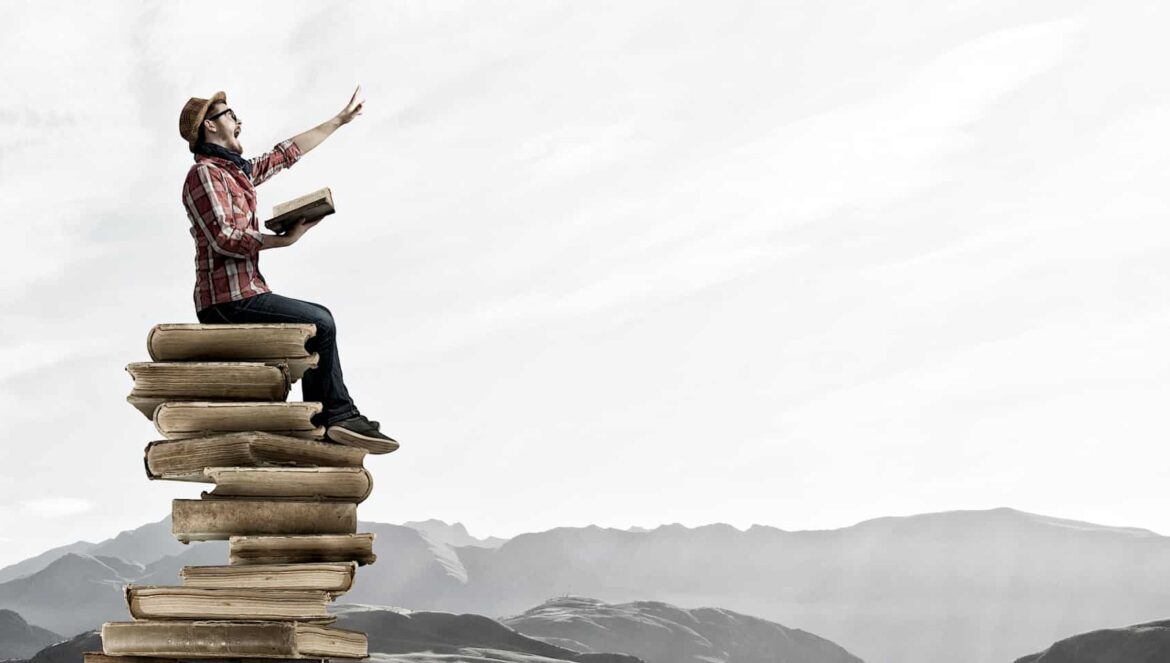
column 220, row 197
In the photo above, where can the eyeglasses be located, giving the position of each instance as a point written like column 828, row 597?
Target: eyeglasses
column 227, row 111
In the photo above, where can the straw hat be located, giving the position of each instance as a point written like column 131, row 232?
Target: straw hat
column 192, row 116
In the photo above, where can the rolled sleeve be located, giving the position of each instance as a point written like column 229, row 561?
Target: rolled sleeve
column 283, row 155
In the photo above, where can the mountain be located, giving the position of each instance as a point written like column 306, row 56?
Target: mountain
column 73, row 593
column 143, row 544
column 439, row 633
column 662, row 633
column 18, row 638
column 33, row 564
column 965, row 586
column 1144, row 643
column 412, row 571
column 454, row 535
column 69, row 651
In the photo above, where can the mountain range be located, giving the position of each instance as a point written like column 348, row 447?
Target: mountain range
column 632, row 633
column 964, row 587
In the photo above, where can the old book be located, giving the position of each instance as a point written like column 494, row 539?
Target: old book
column 270, row 343
column 231, row 639
column 207, row 520
column 164, row 602
column 158, row 382
column 186, row 460
column 337, row 484
column 246, row 550
column 316, row 204
column 101, row 657
column 333, row 577
column 177, row 420
column 228, row 342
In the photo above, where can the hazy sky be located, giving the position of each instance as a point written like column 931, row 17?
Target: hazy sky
column 622, row 263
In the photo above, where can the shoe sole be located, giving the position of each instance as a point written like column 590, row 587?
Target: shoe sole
column 349, row 438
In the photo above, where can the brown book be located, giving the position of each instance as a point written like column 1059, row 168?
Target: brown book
column 247, row 550
column 228, row 342
column 209, row 520
column 310, row 206
column 177, row 420
column 186, row 460
column 270, row 343
column 100, row 657
column 336, row 578
column 160, row 602
column 158, row 382
column 231, row 639
column 326, row 484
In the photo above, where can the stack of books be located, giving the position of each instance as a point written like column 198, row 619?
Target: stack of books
column 284, row 499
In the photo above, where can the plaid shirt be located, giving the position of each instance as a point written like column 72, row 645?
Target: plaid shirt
column 221, row 205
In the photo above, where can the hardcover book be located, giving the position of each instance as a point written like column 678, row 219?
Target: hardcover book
column 333, row 577
column 210, row 520
column 244, row 550
column 187, row 460
column 313, row 205
column 230, row 639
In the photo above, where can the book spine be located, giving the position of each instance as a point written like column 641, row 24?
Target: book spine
column 203, row 639
column 199, row 520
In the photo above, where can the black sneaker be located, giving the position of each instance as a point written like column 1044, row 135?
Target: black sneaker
column 363, row 433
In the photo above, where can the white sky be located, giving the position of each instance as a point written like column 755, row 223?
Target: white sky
column 622, row 263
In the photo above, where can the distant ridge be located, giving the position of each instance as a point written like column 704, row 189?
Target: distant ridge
column 1142, row 643
column 18, row 638
column 662, row 633
column 961, row 573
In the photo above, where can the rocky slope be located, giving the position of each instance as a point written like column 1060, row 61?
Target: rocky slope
column 663, row 633
column 1143, row 643
column 446, row 634
column 18, row 638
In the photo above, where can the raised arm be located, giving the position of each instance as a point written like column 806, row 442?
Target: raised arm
column 313, row 137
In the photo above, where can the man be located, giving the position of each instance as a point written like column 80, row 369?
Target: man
column 220, row 198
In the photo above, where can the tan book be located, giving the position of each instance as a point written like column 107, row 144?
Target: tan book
column 186, row 460
column 208, row 520
column 326, row 484
column 310, row 206
column 228, row 342
column 100, row 657
column 158, row 382
column 231, row 639
column 177, row 420
column 247, row 550
column 164, row 602
column 270, row 343
column 336, row 578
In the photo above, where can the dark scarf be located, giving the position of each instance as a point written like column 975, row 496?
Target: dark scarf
column 213, row 150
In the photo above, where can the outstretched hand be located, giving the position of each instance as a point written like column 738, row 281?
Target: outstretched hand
column 353, row 108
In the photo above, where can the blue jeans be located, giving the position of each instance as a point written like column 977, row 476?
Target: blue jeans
column 324, row 383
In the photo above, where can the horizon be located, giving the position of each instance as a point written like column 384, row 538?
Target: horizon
column 652, row 528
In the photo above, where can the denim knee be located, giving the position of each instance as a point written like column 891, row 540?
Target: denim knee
column 326, row 327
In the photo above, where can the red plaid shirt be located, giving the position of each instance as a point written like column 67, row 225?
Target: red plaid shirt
column 221, row 205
